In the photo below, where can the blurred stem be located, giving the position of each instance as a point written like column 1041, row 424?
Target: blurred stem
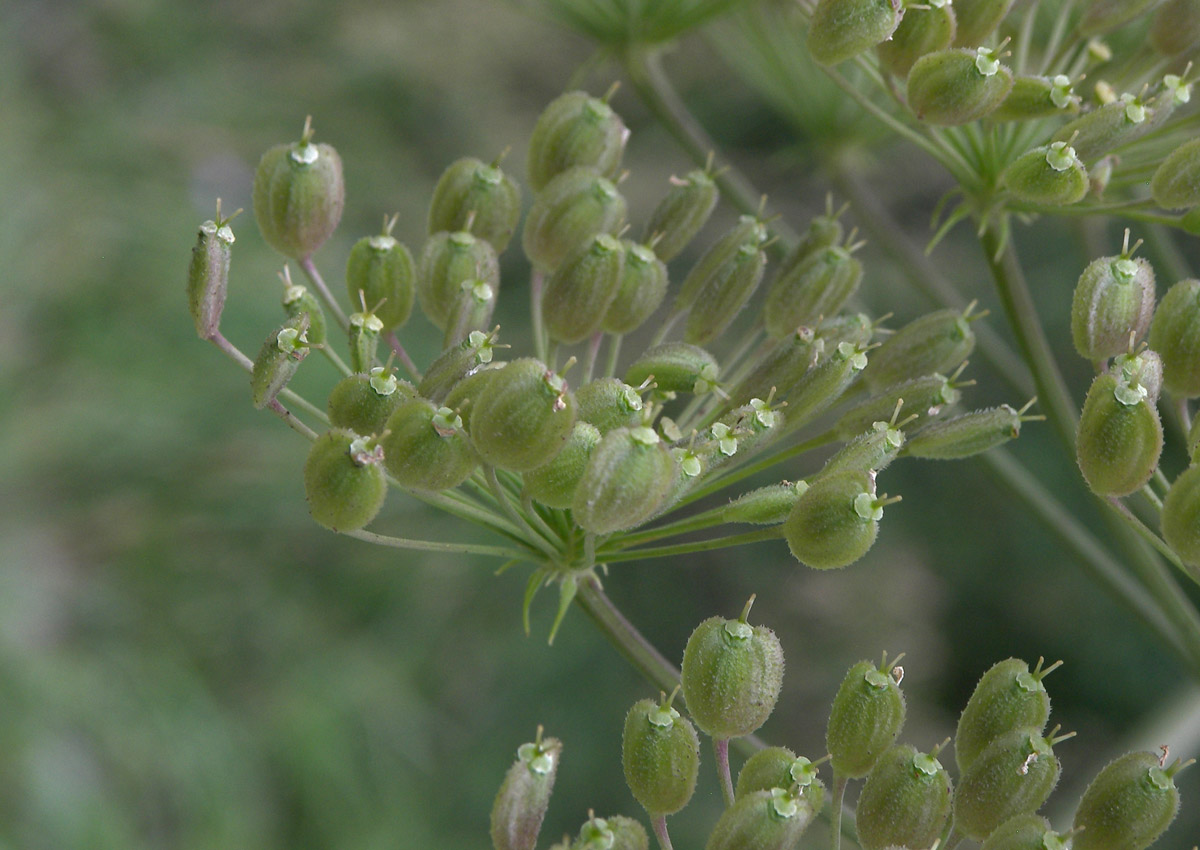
column 1147, row 534
column 333, row 358
column 290, row 420
column 839, row 795
column 534, row 538
column 773, row 533
column 535, row 311
column 659, row 824
column 721, row 753
column 698, row 522
column 614, row 352
column 435, row 546
column 402, row 356
column 318, row 282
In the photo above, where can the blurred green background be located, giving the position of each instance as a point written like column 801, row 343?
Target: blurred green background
column 187, row 661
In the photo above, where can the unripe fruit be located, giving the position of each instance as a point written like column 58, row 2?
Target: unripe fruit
column 470, row 191
column 1013, row 775
column 724, row 294
column 365, row 328
column 1037, row 97
column 967, row 434
column 298, row 300
column 208, row 275
column 779, row 767
column 762, row 820
column 579, row 292
column 554, row 483
column 824, row 231
column 573, row 207
column 278, row 359
column 628, row 476
column 732, row 674
column 380, row 271
column 926, row 397
column 343, row 480
column 1181, row 516
column 1120, row 437
column 1175, row 335
column 523, row 416
column 641, row 289
column 906, row 801
column 977, row 19
column 298, row 195
column 841, row 29
column 856, row 329
column 426, row 448
column 1106, row 15
column 363, row 403
column 781, row 369
column 1129, row 804
column 1176, row 27
column 472, row 311
column 1144, row 369
column 613, row 833
column 609, row 403
column 455, row 363
column 815, row 288
column 1051, row 175
column 446, row 261
column 1008, row 696
column 957, row 86
column 745, row 239
column 675, row 367
column 1024, row 832
column 921, row 31
column 462, row 398
column 871, row 451
column 524, row 796
column 866, row 717
column 575, row 129
column 681, row 213
column 935, row 342
column 835, row 521
column 768, row 505
column 660, row 752
column 1176, row 183
column 1113, row 299
column 1110, row 126
column 822, row 386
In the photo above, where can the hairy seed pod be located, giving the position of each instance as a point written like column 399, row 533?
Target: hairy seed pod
column 628, row 476
column 732, row 674
column 1181, row 516
column 380, row 271
column 676, row 367
column 1024, row 832
column 642, row 288
column 866, row 717
column 906, row 801
column 935, row 342
column 1113, row 298
column 426, row 448
column 1176, row 183
column 462, row 397
column 365, row 328
column 297, row 300
column 612, row 833
column 1120, row 437
column 278, row 359
column 1175, row 336
column 1110, row 126
column 1008, row 696
column 977, row 19
column 523, row 416
column 763, row 820
column 768, row 505
column 660, row 752
column 343, row 480
column 921, row 31
column 575, row 129
column 782, row 367
column 815, row 288
column 835, row 521
column 779, row 767
column 1051, row 175
column 363, row 403
column 454, row 364
column 725, row 294
column 1034, row 97
column 609, row 403
column 524, row 795
column 471, row 191
column 855, row 328
column 957, row 86
column 966, row 435
column 579, row 291
column 298, row 196
column 681, row 213
column 554, row 483
column 472, row 311
column 1107, row 15
column 1129, row 804
column 927, row 397
column 1175, row 28
column 570, row 210
column 822, row 386
column 1013, row 775
column 748, row 234
column 842, row 29
column 208, row 275
column 448, row 259
column 871, row 451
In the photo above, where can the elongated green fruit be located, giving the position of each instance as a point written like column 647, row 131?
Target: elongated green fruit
column 426, row 448
column 762, row 820
column 627, row 477
column 675, row 367
column 660, row 752
column 524, row 796
column 380, row 271
column 1176, row 183
column 1024, row 832
column 1013, row 775
column 681, row 213
column 1129, row 804
column 570, row 210
column 298, row 196
column 1120, row 437
column 579, row 292
column 935, row 342
column 1181, row 516
column 842, row 29
column 957, row 86
column 1008, row 696
column 779, row 767
column 866, row 717
column 575, row 129
column 470, row 190
column 1113, row 298
column 208, row 275
column 448, row 259
column 906, row 801
column 977, row 19
column 523, row 417
column 343, row 480
column 363, row 403
column 1051, row 175
column 1175, row 336
column 280, row 356
column 921, row 31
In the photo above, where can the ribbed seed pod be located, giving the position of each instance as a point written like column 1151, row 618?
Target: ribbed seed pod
column 675, row 367
column 471, row 191
column 462, row 398
column 749, row 233
column 612, row 833
column 823, row 231
column 572, row 208
column 1120, row 437
column 363, row 403
column 454, row 364
column 365, row 328
column 380, row 271
column 609, row 403
column 856, row 329
column 762, row 820
column 1112, row 125
column 967, row 434
column 935, row 342
column 1013, row 775
column 815, row 288
column 575, row 129
column 732, row 674
column 779, row 767
column 208, row 275
column 579, row 291
column 1113, row 298
column 1176, row 183
column 278, row 359
column 448, row 259
column 927, row 397
column 835, row 521
column 554, row 483
column 842, row 29
column 977, row 19
column 768, row 505
column 660, row 752
column 1129, row 804
column 1175, row 336
column 920, row 31
column 1008, row 696
column 782, row 367
column 1051, row 175
column 1024, row 832
column 524, row 795
column 822, row 386
column 1181, row 516
column 906, row 801
column 1107, row 15
column 958, row 85
column 871, row 451
column 523, row 416
column 641, row 290
column 628, row 476
column 1034, row 97
column 298, row 196
column 426, row 447
column 866, row 717
column 724, row 296
column 682, row 212
column 472, row 311
column 297, row 300
column 343, row 480
column 1175, row 28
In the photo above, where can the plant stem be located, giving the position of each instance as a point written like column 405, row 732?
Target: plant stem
column 772, row 533
column 318, row 282
column 614, row 353
column 835, row 811
column 534, row 538
column 291, row 421
column 1150, row 537
column 721, row 752
column 435, row 546
column 402, row 356
column 659, row 824
column 638, row 651
column 589, row 360
column 536, row 282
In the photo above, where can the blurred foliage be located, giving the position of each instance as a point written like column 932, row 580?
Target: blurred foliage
column 187, row 661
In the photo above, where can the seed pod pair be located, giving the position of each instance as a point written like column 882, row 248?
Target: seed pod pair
column 1114, row 299
column 783, row 366
column 640, row 291
column 1034, row 97
column 935, row 342
column 208, row 274
column 763, row 820
column 842, row 29
column 472, row 195
column 1129, row 804
column 815, row 288
column 822, row 386
column 921, row 31
column 455, row 363
column 576, row 129
column 627, row 478
column 523, row 416
column 609, row 403
column 280, row 356
column 681, row 214
column 823, row 231
column 836, row 520
column 1008, row 696
column 380, row 271
column 866, row 717
column 572, row 208
column 363, row 403
column 448, row 259
column 968, row 434
column 579, row 292
column 1120, row 437
column 926, row 397
column 958, row 85
column 524, row 796
column 426, row 447
column 660, row 752
column 343, row 480
column 906, row 801
column 1051, row 175
column 745, row 237
column 779, row 767
column 1109, row 126
column 554, row 484
column 1181, row 516
column 298, row 195
column 716, row 294
column 676, row 367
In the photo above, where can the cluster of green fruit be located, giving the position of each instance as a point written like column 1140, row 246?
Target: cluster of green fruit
column 731, row 679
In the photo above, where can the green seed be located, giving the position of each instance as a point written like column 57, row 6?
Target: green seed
column 906, row 801
column 1051, row 175
column 675, row 367
column 343, row 480
column 866, row 717
column 570, row 210
column 660, row 752
column 763, row 820
column 1175, row 335
column 1113, row 299
column 1024, row 832
column 1181, row 516
column 554, row 483
column 1112, row 125
column 681, row 213
column 578, row 293
column 957, row 86
column 966, row 435
column 613, row 833
column 768, row 505
column 1035, row 97
column 609, row 403
column 1176, row 183
column 576, row 129
column 448, row 259
column 524, row 796
column 472, row 192
column 426, row 448
column 380, row 271
column 298, row 196
column 642, row 288
column 871, row 451
column 921, row 31
column 1129, row 804
column 779, row 767
column 280, row 356
column 363, row 403
column 935, row 342
column 815, row 288
column 523, row 416
column 977, row 19
column 927, row 397
column 1119, row 439
column 1008, row 696
column 1013, row 775
column 783, row 367
column 627, row 477
column 208, row 275
column 297, row 300
column 455, row 363
column 719, row 261
column 823, row 386
column 842, row 29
